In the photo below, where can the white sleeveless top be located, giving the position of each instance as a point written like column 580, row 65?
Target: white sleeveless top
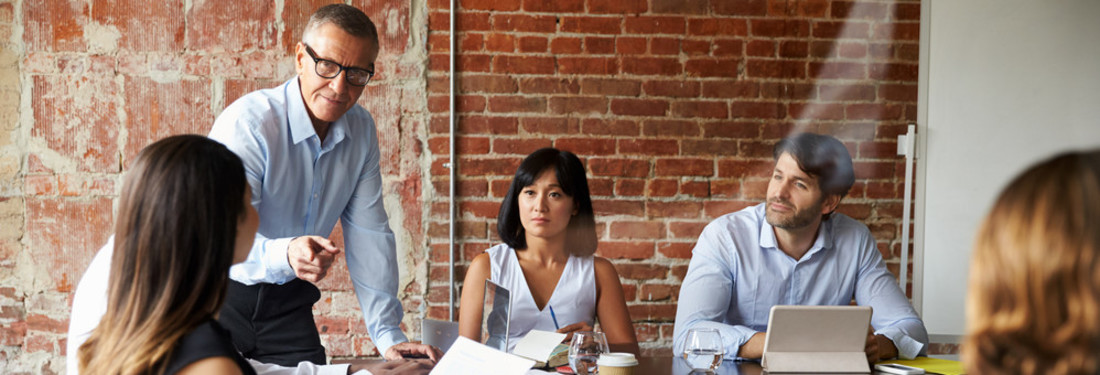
column 574, row 298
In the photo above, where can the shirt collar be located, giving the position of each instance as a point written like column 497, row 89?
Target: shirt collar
column 823, row 241
column 301, row 126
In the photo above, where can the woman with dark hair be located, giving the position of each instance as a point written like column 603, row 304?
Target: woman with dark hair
column 549, row 233
column 184, row 216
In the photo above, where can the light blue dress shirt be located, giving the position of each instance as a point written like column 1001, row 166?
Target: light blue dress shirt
column 737, row 273
column 301, row 186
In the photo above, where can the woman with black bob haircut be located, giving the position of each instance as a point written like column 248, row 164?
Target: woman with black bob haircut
column 548, row 230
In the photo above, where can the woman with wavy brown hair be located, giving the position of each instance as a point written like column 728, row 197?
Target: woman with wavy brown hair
column 1034, row 304
column 184, row 216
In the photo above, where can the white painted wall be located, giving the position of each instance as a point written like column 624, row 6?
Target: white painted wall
column 1004, row 84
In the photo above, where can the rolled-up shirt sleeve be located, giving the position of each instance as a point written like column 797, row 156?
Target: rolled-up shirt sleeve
column 892, row 314
column 704, row 300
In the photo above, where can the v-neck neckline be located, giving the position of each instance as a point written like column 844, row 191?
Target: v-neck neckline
column 523, row 276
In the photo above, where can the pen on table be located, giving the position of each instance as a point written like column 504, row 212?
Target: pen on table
column 552, row 316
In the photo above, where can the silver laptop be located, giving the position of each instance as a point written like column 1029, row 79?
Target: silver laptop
column 818, row 339
column 496, row 315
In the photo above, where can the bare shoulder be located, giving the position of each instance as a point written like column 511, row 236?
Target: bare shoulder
column 212, row 365
column 480, row 264
column 604, row 268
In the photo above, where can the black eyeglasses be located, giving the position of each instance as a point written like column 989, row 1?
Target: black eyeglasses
column 330, row 69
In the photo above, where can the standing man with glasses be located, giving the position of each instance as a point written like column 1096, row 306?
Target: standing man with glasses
column 311, row 157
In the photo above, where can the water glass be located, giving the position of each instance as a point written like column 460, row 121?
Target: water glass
column 703, row 350
column 585, row 350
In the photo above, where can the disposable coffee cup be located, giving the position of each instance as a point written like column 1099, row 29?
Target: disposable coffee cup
column 617, row 364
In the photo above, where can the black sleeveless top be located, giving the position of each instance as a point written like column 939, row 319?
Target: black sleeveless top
column 208, row 340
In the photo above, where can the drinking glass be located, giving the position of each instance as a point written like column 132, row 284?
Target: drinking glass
column 703, row 350
column 585, row 350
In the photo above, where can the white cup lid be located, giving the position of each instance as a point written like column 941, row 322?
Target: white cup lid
column 617, row 360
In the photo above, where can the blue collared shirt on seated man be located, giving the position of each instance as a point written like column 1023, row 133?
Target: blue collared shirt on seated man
column 306, row 184
column 737, row 273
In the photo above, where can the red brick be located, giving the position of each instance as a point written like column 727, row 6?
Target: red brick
column 741, row 8
column 469, row 63
column 716, row 208
column 760, row 149
column 686, row 229
column 470, row 103
column 639, row 107
column 152, row 26
column 780, row 28
column 601, row 187
column 521, row 146
column 629, row 188
column 68, row 232
column 625, row 250
column 550, row 125
column 599, row 45
column 617, row 6
column 849, row 10
column 712, row 67
column 671, row 46
column 684, row 167
column 718, row 26
column 745, row 168
column 639, row 271
column 486, row 83
column 909, row 52
column 610, row 87
column 670, row 128
column 471, row 42
column 498, row 42
column 874, row 170
column 838, row 70
column 662, row 187
column 54, row 25
column 84, row 125
column 599, row 126
column 695, row 47
column 438, row 21
column 841, row 29
column 180, row 107
column 618, row 207
column 501, row 5
column 760, row 110
column 847, row 92
column 630, row 46
column 588, row 65
column 588, row 25
column 853, row 50
column 511, row 104
column 231, row 26
column 637, row 230
column 881, row 51
column 649, row 147
column 673, row 88
column 856, row 211
column 472, row 21
column 529, row 44
column 710, row 147
column 488, row 166
column 731, row 129
column 524, row 23
column 578, row 104
column 753, row 189
column 776, row 68
column 652, row 66
column 479, row 209
column 898, row 92
column 658, row 292
column 817, row 111
column 549, row 85
column 760, row 48
column 894, row 72
column 824, row 49
column 849, row 131
column 699, row 109
column 874, row 111
column 653, row 312
column 654, row 25
column 905, row 11
column 565, row 45
column 523, row 64
column 723, row 89
column 586, row 146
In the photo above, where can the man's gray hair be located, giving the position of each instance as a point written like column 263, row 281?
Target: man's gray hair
column 348, row 18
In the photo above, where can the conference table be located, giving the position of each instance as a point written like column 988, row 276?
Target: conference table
column 658, row 366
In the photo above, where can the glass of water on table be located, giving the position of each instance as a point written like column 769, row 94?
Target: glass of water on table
column 703, row 350
column 585, row 350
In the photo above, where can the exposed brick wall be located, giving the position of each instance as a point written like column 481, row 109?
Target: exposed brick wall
column 85, row 84
column 675, row 106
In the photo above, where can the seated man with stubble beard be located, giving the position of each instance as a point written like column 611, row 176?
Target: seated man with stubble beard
column 794, row 249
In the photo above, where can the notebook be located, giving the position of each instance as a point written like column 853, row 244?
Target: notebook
column 817, row 339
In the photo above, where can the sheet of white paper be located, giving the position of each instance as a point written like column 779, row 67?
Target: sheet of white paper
column 538, row 345
column 467, row 357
